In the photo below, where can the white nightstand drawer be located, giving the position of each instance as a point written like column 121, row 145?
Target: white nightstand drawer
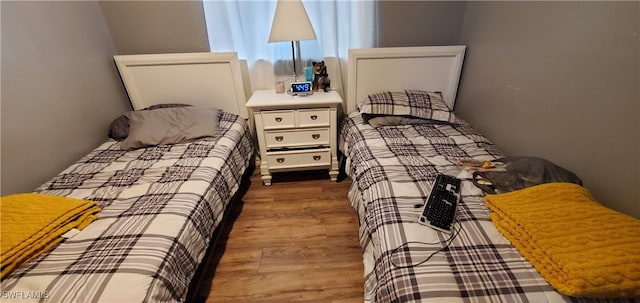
column 312, row 117
column 296, row 133
column 305, row 158
column 278, row 119
column 295, row 138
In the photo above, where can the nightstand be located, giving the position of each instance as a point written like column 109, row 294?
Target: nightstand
column 296, row 133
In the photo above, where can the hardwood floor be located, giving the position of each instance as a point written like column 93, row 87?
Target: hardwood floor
column 294, row 241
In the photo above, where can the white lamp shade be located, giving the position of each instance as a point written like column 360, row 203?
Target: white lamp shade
column 291, row 22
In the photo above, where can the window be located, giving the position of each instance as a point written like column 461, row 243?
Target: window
column 244, row 27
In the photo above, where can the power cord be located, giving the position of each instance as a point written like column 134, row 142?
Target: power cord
column 447, row 243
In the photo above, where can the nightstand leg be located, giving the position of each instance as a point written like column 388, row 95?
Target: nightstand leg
column 266, row 176
column 333, row 174
column 333, row 171
column 266, row 180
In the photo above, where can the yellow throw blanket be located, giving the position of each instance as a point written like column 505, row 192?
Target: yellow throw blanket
column 34, row 223
column 580, row 247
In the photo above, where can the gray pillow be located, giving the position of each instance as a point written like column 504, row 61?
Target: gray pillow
column 388, row 120
column 119, row 128
column 170, row 126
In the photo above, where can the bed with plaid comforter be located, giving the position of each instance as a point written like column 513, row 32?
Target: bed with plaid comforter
column 392, row 168
column 160, row 207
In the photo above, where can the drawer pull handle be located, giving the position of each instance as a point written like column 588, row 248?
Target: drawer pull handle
column 314, row 117
column 317, row 158
column 280, row 160
column 279, row 138
column 315, row 136
column 278, row 119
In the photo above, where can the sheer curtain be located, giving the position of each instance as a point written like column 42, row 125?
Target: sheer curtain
column 244, row 27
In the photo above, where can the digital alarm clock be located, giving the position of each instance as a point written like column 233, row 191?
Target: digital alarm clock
column 304, row 88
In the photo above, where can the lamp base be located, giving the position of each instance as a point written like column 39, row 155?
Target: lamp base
column 297, row 60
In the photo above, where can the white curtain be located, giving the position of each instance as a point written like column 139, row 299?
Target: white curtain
column 244, row 27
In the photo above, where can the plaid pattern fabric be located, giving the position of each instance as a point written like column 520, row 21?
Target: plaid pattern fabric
column 393, row 168
column 408, row 103
column 160, row 207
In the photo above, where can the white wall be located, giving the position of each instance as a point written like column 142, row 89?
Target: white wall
column 60, row 88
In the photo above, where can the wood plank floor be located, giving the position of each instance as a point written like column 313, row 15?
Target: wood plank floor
column 294, row 241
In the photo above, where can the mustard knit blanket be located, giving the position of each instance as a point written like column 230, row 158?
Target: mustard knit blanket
column 580, row 247
column 34, row 223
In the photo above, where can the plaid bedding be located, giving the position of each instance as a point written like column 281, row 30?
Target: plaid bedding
column 392, row 168
column 160, row 207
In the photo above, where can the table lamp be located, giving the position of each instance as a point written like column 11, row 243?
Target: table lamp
column 291, row 23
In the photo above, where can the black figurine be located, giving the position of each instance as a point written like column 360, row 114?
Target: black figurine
column 321, row 77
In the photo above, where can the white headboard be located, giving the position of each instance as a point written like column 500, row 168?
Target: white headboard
column 429, row 68
column 203, row 79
